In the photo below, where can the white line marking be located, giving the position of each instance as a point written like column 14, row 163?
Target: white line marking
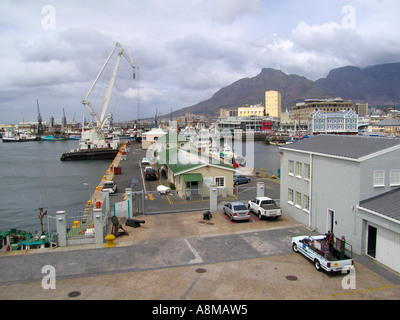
column 198, row 259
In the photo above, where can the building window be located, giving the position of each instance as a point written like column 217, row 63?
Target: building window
column 291, row 167
column 290, row 196
column 298, row 199
column 220, row 181
column 307, row 172
column 395, row 177
column 306, row 203
column 379, row 178
column 299, row 167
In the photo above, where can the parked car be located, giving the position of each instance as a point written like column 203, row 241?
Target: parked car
column 145, row 161
column 326, row 251
column 239, row 179
column 109, row 186
column 264, row 207
column 150, row 174
column 236, row 211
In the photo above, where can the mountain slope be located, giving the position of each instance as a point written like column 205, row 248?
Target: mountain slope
column 377, row 85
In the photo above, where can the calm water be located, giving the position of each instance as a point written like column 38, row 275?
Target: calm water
column 32, row 175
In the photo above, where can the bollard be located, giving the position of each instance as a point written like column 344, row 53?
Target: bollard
column 110, row 241
column 76, row 224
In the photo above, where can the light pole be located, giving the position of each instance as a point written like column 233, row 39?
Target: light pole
column 90, row 193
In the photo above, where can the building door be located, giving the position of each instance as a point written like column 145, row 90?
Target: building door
column 194, row 188
column 330, row 220
column 371, row 241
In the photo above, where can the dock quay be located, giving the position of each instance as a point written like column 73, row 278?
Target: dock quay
column 176, row 248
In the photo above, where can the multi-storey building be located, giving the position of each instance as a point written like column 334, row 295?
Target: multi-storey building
column 273, row 103
column 251, row 111
column 336, row 122
column 348, row 185
column 302, row 110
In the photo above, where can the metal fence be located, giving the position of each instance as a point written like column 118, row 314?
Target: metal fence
column 80, row 226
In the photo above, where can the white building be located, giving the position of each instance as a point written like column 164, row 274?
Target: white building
column 347, row 185
column 333, row 122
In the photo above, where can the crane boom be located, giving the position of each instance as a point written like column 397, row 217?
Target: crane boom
column 100, row 121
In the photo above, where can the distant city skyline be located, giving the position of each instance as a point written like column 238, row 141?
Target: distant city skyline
column 186, row 51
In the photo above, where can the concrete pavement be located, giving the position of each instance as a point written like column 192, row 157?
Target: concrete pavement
column 178, row 256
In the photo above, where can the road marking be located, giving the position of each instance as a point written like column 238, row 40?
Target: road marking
column 191, row 287
column 197, row 258
column 150, row 195
column 366, row 290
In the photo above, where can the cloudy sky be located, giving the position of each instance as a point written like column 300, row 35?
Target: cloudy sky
column 186, row 50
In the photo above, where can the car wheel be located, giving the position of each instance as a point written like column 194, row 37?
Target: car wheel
column 259, row 215
column 294, row 247
column 317, row 265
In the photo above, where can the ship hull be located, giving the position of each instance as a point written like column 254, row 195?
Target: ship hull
column 90, row 154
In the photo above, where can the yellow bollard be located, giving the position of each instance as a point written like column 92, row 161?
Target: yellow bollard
column 76, row 224
column 88, row 203
column 110, row 241
column 104, row 178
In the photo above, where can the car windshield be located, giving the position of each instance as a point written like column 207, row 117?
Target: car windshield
column 267, row 202
column 108, row 185
column 240, row 207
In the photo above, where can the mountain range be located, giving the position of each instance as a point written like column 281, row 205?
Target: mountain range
column 377, row 85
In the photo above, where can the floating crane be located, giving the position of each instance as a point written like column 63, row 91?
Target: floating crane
column 93, row 144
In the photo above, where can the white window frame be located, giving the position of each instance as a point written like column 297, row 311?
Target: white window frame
column 394, row 177
column 306, row 203
column 379, row 178
column 290, row 196
column 291, row 167
column 218, row 184
column 299, row 169
column 307, row 172
column 298, row 200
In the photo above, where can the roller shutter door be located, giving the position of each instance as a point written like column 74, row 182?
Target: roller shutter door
column 388, row 248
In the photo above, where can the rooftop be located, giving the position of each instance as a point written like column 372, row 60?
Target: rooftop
column 179, row 160
column 387, row 204
column 351, row 147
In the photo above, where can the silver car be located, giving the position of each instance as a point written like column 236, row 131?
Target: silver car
column 236, row 211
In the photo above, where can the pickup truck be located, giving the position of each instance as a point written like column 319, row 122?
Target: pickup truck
column 109, row 186
column 326, row 251
column 264, row 207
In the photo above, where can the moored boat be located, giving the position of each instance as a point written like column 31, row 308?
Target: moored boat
column 11, row 239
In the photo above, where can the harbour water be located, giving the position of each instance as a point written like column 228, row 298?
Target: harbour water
column 32, row 176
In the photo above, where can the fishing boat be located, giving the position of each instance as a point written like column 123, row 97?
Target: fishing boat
column 15, row 239
column 52, row 138
column 11, row 136
column 11, row 239
column 40, row 239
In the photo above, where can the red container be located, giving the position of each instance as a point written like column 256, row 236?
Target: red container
column 117, row 170
column 98, row 204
